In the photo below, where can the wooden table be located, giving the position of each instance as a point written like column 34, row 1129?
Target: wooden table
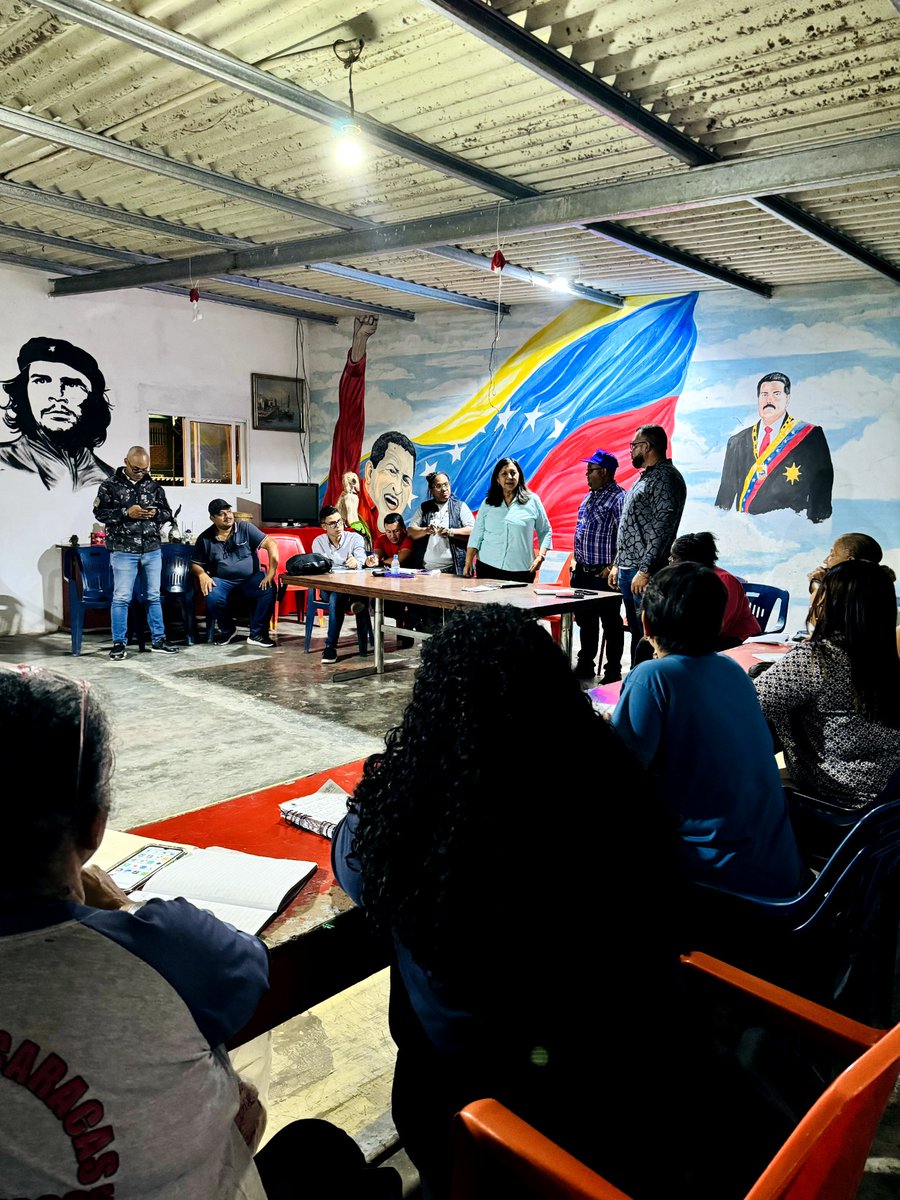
column 440, row 591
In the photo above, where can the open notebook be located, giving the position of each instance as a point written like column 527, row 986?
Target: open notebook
column 247, row 890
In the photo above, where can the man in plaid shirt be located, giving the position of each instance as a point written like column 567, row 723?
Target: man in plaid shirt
column 595, row 548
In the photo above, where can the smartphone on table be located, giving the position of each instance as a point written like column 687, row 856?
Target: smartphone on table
column 134, row 870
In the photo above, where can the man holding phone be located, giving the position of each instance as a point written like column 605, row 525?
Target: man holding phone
column 133, row 507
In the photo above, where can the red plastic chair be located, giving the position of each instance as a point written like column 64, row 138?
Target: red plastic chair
column 288, row 546
column 823, row 1159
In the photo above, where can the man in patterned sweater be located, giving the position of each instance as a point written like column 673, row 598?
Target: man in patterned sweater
column 650, row 519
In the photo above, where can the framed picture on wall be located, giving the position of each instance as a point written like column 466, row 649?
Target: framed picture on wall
column 278, row 403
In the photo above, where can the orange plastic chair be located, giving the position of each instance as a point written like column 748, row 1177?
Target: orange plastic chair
column 823, row 1159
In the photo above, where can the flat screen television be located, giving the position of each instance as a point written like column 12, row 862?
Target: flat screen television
column 289, row 503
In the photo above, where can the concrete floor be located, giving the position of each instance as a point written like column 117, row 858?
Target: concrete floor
column 210, row 723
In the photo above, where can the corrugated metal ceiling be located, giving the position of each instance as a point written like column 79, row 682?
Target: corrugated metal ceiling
column 741, row 81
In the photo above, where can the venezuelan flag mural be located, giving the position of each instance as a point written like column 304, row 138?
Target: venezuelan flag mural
column 587, row 379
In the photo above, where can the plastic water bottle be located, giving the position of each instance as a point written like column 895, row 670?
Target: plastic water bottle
column 395, row 565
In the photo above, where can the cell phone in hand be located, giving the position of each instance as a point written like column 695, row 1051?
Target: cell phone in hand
column 131, row 872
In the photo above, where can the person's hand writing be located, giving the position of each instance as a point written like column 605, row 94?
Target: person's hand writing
column 639, row 582
column 351, row 562
column 99, row 891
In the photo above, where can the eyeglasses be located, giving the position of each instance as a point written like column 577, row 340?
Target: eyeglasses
column 334, row 524
column 634, row 445
column 138, row 470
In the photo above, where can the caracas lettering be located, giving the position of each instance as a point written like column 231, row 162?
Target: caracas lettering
column 65, row 1097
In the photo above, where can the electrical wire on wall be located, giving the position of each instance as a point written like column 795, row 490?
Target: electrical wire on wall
column 302, row 379
column 498, row 262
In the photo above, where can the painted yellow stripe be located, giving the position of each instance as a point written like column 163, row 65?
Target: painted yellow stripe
column 578, row 319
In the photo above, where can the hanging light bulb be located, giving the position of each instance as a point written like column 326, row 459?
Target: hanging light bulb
column 348, row 148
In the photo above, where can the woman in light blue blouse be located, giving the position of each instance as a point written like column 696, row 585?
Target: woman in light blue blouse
column 503, row 534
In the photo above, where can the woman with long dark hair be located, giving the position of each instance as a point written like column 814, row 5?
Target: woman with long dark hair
column 503, row 534
column 514, row 851
column 834, row 701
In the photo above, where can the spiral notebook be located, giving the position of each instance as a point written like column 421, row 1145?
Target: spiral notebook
column 319, row 812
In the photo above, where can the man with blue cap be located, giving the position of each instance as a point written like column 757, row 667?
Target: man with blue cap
column 596, row 531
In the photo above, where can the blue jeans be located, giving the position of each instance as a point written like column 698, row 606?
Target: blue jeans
column 125, row 567
column 632, row 606
column 338, row 604
column 217, row 602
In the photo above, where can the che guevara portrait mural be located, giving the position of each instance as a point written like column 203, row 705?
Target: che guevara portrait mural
column 55, row 415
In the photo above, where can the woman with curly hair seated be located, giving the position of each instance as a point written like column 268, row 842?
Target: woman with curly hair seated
column 834, row 701
column 516, row 854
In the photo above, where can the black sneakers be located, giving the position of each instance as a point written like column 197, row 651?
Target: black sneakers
column 263, row 640
column 329, row 656
column 118, row 651
column 161, row 646
column 223, row 638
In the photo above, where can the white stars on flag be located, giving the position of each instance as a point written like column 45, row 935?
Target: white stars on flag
column 531, row 417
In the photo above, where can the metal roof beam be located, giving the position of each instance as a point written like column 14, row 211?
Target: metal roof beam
column 26, row 193
column 225, row 68
column 277, row 310
column 678, row 258
column 148, row 160
column 498, row 31
column 511, row 271
column 403, row 285
column 260, row 285
column 727, row 182
column 154, row 39
column 799, row 218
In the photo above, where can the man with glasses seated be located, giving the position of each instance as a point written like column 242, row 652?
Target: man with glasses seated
column 649, row 523
column 133, row 507
column 345, row 549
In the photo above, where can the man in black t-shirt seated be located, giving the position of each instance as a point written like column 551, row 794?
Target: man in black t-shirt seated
column 226, row 562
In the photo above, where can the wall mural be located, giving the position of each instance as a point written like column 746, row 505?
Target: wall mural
column 713, row 368
column 779, row 461
column 589, row 378
column 56, row 415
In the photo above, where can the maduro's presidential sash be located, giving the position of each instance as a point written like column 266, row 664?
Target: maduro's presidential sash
column 791, row 434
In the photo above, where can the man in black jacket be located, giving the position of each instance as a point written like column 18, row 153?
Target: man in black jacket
column 133, row 507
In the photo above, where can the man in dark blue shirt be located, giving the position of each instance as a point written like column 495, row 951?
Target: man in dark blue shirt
column 225, row 561
column 595, row 548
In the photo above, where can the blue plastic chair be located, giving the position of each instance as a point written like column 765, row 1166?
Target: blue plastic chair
column 836, row 942
column 762, row 600
column 88, row 572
